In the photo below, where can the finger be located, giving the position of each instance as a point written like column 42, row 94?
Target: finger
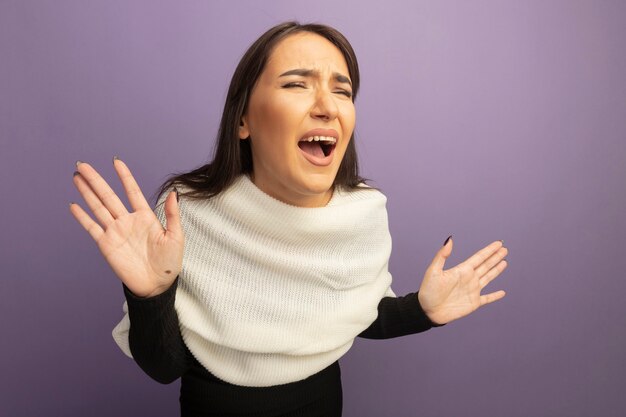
column 135, row 196
column 492, row 261
column 92, row 200
column 93, row 228
column 479, row 257
column 100, row 187
column 172, row 216
column 444, row 252
column 491, row 297
column 492, row 274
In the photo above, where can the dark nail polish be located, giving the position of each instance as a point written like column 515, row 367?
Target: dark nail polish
column 176, row 191
column 76, row 173
column 449, row 237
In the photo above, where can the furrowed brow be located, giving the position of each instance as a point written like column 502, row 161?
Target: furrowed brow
column 299, row 71
column 342, row 78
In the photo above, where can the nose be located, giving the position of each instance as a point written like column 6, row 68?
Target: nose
column 325, row 108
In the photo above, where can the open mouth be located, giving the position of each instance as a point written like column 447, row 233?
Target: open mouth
column 318, row 146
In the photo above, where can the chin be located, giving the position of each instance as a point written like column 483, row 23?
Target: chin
column 318, row 184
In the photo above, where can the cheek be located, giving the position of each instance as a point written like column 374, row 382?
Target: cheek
column 349, row 120
column 276, row 116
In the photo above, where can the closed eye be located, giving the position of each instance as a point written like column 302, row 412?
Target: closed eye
column 345, row 93
column 294, row 84
column 303, row 85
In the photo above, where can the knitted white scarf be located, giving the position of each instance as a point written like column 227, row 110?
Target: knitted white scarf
column 271, row 293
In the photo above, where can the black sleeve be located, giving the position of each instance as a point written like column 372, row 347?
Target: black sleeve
column 398, row 316
column 154, row 336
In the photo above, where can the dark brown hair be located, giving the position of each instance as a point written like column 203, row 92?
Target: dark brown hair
column 233, row 156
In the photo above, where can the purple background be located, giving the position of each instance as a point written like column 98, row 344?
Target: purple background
column 485, row 119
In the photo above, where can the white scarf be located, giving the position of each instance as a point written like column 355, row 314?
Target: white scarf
column 270, row 293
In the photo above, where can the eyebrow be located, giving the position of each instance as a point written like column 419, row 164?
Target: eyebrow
column 310, row 73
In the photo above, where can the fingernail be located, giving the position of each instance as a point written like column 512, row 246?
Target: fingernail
column 76, row 173
column 114, row 159
column 78, row 163
column 449, row 237
column 176, row 191
column 72, row 203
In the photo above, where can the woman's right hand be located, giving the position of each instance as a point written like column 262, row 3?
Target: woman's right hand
column 146, row 257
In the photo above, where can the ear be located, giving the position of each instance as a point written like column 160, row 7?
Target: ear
column 244, row 131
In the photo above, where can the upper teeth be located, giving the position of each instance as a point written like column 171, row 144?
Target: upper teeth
column 320, row 138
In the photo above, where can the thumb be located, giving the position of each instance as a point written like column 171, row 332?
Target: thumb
column 440, row 258
column 172, row 215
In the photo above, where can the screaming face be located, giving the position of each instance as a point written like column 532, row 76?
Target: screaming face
column 299, row 120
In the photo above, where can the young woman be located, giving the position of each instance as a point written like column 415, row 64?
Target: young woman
column 255, row 272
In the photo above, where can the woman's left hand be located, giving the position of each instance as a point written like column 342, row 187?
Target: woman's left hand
column 451, row 294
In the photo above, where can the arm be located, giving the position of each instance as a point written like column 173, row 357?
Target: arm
column 152, row 251
column 444, row 296
column 397, row 317
column 154, row 336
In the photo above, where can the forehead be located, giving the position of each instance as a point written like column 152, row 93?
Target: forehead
column 306, row 50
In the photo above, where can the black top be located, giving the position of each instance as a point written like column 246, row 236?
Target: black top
column 158, row 348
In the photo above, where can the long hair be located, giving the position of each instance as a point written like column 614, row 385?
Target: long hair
column 232, row 156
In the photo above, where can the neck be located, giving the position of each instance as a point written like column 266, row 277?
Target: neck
column 298, row 200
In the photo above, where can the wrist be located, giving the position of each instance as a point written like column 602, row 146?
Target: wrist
column 152, row 293
column 430, row 315
column 157, row 291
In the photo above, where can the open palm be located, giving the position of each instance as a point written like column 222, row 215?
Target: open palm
column 456, row 292
column 145, row 256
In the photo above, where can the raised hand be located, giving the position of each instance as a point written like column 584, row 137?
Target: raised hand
column 145, row 256
column 451, row 294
